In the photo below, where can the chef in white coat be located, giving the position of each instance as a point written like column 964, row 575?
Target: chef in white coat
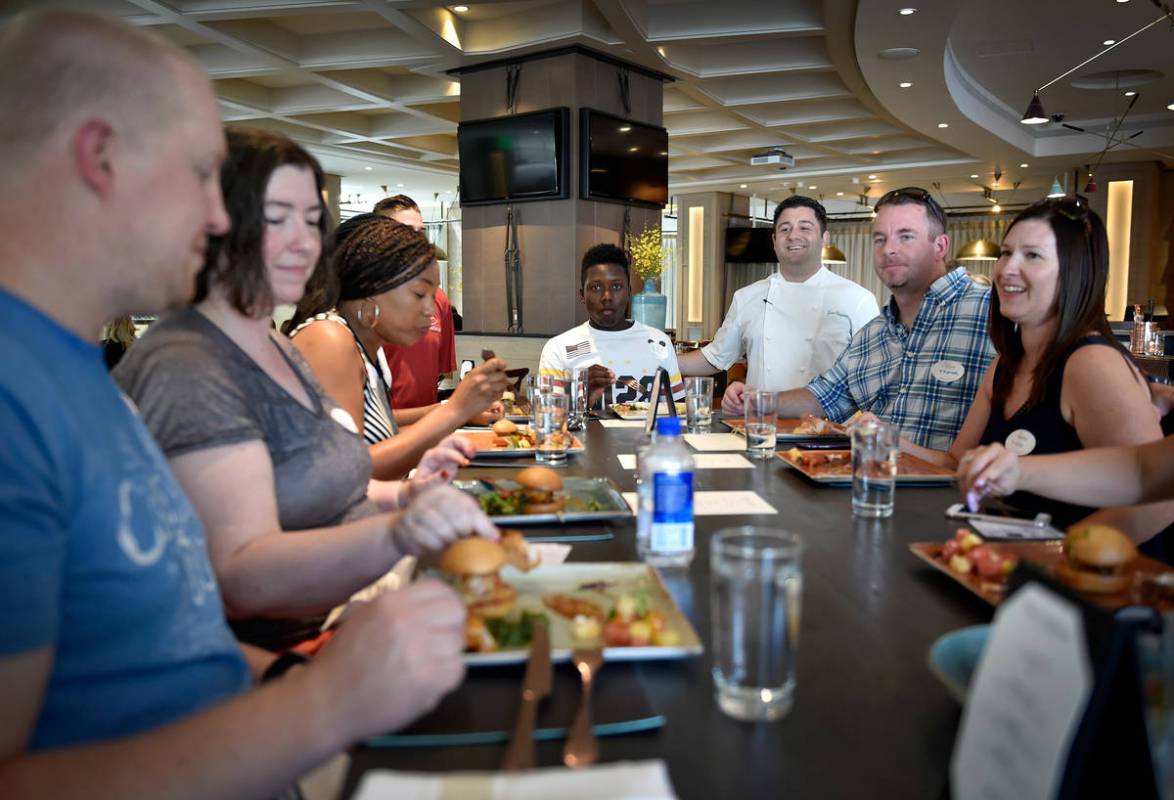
column 792, row 325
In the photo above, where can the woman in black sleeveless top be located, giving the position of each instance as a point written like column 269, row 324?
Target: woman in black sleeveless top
column 1061, row 382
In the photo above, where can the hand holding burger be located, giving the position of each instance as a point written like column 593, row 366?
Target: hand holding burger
column 436, row 517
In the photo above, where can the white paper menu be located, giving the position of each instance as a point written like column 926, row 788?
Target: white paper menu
column 715, row 441
column 1026, row 701
column 706, row 504
column 700, row 461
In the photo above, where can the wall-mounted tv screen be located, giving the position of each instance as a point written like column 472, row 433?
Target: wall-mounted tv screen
column 750, row 246
column 516, row 158
column 622, row 161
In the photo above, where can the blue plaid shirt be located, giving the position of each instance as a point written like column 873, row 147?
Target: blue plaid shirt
column 923, row 379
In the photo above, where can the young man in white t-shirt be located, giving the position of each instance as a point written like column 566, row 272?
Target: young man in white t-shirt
column 793, row 325
column 616, row 350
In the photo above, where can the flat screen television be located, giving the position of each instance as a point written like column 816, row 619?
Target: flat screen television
column 622, row 161
column 750, row 246
column 516, row 158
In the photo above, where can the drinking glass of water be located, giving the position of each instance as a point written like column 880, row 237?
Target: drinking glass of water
column 699, row 404
column 549, row 413
column 761, row 409
column 755, row 598
column 577, row 389
column 874, row 468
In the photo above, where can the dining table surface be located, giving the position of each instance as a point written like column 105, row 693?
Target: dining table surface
column 869, row 718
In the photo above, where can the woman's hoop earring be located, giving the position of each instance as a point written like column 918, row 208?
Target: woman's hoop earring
column 374, row 317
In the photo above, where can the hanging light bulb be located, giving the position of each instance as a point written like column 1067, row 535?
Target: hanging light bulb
column 1091, row 186
column 996, row 209
column 1057, row 190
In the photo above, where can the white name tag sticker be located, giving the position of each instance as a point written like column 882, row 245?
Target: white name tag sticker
column 1020, row 442
column 344, row 419
column 947, row 371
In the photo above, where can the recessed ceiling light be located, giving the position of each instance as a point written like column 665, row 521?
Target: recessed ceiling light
column 1108, row 42
column 905, row 12
column 1170, row 107
column 460, row 9
column 905, row 84
column 399, row 186
column 1122, row 1
column 974, row 177
column 813, row 186
column 1024, row 165
column 741, row 186
column 839, row 194
column 943, row 124
column 625, row 128
column 872, row 177
column 633, row 149
column 368, row 168
column 1130, row 93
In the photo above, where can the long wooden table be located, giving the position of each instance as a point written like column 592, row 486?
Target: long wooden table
column 870, row 720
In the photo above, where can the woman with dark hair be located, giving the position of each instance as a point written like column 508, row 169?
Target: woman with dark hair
column 378, row 290
column 1061, row 382
column 258, row 446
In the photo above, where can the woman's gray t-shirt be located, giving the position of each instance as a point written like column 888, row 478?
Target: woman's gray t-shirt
column 196, row 389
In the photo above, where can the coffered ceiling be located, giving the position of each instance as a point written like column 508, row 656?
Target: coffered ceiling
column 364, row 84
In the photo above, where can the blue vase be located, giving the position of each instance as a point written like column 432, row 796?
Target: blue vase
column 650, row 306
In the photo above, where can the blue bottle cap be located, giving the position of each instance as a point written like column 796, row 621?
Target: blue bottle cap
column 668, row 426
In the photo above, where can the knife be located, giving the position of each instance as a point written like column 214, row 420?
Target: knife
column 535, row 686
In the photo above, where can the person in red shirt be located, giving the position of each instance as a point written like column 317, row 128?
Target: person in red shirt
column 417, row 369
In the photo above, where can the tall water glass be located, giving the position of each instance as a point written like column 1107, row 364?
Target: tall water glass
column 539, row 384
column 577, row 390
column 874, row 468
column 755, row 600
column 761, row 408
column 699, row 404
column 549, row 417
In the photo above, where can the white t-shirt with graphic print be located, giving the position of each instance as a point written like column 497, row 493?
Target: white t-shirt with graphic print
column 632, row 354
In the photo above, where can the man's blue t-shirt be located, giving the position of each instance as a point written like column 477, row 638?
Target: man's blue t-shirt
column 102, row 557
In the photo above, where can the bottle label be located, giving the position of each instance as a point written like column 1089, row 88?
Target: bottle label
column 672, row 512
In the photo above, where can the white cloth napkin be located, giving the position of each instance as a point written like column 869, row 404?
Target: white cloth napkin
column 626, row 780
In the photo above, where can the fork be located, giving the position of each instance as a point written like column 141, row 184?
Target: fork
column 581, row 748
column 631, row 384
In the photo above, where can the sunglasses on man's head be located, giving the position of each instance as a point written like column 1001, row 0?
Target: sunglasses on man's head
column 917, row 195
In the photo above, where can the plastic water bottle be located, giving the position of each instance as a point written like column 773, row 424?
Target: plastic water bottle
column 664, row 518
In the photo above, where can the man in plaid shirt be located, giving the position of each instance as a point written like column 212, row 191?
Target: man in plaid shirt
column 919, row 363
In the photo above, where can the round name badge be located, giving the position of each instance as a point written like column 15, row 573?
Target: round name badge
column 1020, row 442
column 947, row 371
column 344, row 419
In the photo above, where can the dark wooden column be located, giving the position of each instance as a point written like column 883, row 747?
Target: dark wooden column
column 553, row 234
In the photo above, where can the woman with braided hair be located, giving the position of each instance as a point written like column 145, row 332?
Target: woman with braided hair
column 295, row 523
column 379, row 291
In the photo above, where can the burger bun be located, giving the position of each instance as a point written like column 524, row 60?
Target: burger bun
column 472, row 555
column 503, row 427
column 1097, row 558
column 541, row 479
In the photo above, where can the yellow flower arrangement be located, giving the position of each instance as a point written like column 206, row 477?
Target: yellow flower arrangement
column 647, row 253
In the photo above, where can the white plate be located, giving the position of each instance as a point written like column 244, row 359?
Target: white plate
column 565, row 579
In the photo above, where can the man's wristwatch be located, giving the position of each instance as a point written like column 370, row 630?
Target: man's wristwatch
column 282, row 664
